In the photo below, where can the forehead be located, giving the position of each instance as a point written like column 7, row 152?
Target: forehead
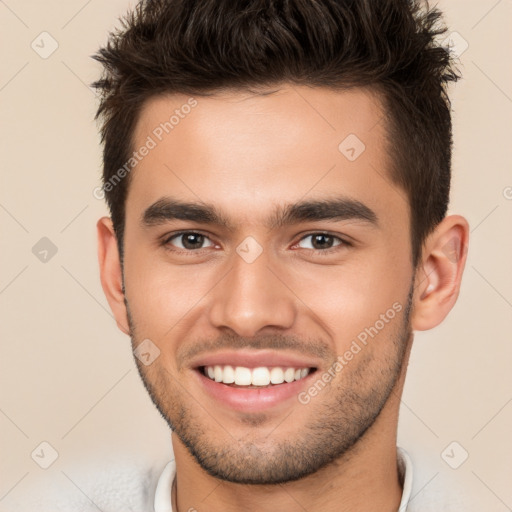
column 247, row 152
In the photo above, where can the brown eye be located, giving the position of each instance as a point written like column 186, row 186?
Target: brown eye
column 189, row 241
column 321, row 241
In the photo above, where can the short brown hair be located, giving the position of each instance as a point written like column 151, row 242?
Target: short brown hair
column 198, row 47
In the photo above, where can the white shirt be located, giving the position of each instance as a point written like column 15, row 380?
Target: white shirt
column 163, row 498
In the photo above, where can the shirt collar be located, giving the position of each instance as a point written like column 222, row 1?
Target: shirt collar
column 405, row 472
column 163, row 497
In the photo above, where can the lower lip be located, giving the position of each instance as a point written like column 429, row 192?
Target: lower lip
column 253, row 399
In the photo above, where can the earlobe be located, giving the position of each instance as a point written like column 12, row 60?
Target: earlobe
column 111, row 272
column 439, row 274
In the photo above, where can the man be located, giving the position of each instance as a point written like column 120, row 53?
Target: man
column 278, row 178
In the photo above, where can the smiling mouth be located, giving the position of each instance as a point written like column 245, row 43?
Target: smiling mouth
column 254, row 378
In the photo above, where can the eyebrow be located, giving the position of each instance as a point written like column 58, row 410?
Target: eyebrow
column 337, row 209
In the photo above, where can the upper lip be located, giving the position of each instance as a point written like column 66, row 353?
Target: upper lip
column 254, row 359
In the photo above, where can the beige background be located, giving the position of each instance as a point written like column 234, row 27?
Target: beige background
column 67, row 373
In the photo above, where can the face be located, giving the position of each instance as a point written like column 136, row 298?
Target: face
column 265, row 240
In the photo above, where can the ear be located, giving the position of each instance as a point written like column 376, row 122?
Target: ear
column 111, row 273
column 439, row 273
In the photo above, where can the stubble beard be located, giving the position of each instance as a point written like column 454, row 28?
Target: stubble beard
column 338, row 418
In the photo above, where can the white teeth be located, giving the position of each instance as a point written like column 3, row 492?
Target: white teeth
column 289, row 374
column 243, row 376
column 276, row 375
column 260, row 376
column 229, row 375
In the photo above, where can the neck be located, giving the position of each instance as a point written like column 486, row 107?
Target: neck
column 357, row 483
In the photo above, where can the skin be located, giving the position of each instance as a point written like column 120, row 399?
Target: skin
column 245, row 154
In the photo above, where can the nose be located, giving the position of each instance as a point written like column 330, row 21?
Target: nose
column 251, row 297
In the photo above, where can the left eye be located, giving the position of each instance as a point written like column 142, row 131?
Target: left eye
column 189, row 240
column 321, row 241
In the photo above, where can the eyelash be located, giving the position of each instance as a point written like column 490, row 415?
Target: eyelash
column 318, row 252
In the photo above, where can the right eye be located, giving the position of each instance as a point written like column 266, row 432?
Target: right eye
column 187, row 241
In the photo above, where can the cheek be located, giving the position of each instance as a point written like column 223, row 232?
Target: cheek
column 159, row 294
column 350, row 297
